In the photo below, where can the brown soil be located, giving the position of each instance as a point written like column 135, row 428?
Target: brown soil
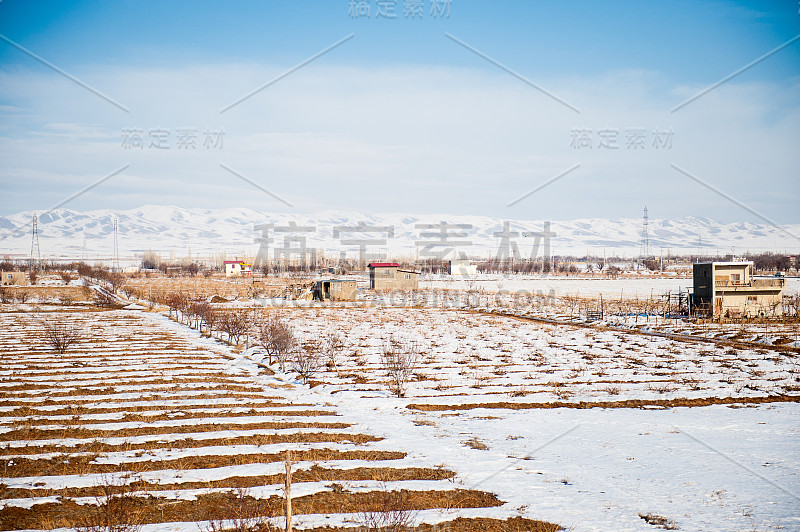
column 630, row 403
column 84, row 465
column 94, row 446
column 28, row 410
column 156, row 397
column 483, row 524
column 109, row 389
column 224, row 505
column 162, row 417
column 71, row 432
column 314, row 474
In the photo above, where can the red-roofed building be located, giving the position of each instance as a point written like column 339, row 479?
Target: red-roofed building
column 237, row 268
column 389, row 276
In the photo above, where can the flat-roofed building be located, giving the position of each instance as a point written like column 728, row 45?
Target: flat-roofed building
column 389, row 276
column 335, row 290
column 728, row 289
column 14, row 279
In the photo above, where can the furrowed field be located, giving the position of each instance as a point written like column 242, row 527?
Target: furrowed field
column 476, row 414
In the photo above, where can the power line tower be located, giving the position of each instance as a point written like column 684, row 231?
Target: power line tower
column 36, row 253
column 115, row 263
column 644, row 251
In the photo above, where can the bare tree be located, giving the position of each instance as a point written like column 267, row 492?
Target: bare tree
column 306, row 361
column 61, row 334
column 22, row 295
column 234, row 324
column 176, row 301
column 210, row 317
column 66, row 278
column 115, row 280
column 198, row 310
column 277, row 339
column 399, row 358
column 334, row 346
column 103, row 298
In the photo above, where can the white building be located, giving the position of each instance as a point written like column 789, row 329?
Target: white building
column 237, row 268
column 462, row 267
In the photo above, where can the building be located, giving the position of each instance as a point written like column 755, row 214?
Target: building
column 728, row 289
column 335, row 290
column 462, row 267
column 237, row 268
column 14, row 279
column 389, row 276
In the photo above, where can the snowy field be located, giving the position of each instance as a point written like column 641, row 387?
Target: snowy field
column 496, row 407
column 625, row 287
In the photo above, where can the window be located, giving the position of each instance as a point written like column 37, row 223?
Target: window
column 752, row 299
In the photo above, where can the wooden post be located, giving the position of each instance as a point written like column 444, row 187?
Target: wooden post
column 288, row 491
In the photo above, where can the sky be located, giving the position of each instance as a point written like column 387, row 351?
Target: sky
column 516, row 109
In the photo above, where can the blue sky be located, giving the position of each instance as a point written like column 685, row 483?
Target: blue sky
column 401, row 118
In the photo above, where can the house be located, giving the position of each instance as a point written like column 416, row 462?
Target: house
column 389, row 276
column 335, row 290
column 14, row 278
column 462, row 267
column 237, row 268
column 728, row 289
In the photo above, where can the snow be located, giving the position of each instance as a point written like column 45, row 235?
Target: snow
column 171, row 229
column 708, row 468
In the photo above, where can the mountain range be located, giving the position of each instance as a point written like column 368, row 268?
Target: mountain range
column 203, row 233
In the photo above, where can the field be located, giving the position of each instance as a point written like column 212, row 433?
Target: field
column 525, row 419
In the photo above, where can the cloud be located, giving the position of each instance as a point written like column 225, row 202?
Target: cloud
column 401, row 139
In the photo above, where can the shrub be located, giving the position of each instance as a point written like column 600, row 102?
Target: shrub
column 399, row 358
column 116, row 509
column 61, row 335
column 242, row 512
column 334, row 346
column 393, row 513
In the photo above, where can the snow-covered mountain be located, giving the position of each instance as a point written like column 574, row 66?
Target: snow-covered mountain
column 202, row 233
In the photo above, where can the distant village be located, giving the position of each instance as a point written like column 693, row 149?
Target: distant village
column 731, row 288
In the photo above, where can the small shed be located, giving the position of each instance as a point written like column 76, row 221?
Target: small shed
column 335, row 290
column 389, row 276
column 14, row 279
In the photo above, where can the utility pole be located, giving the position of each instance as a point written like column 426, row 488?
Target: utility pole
column 115, row 261
column 644, row 251
column 36, row 253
